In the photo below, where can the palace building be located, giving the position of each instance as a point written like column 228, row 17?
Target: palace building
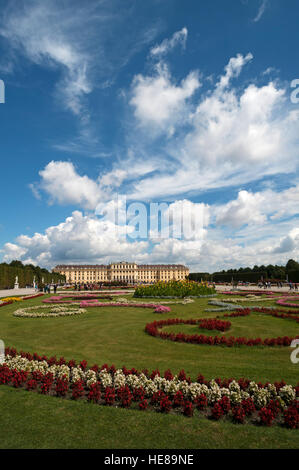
column 131, row 273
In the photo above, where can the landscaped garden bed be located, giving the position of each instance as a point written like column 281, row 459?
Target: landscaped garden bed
column 240, row 401
column 173, row 289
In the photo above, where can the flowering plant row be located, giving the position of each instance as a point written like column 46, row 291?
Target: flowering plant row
column 254, row 292
column 153, row 329
column 61, row 299
column 214, row 324
column 273, row 312
column 241, row 401
column 57, row 311
column 10, row 300
column 157, row 308
column 284, row 302
column 223, row 306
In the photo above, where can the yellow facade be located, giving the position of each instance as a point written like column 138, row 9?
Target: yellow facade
column 123, row 271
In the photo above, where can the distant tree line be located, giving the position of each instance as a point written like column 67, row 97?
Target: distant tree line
column 25, row 273
column 255, row 274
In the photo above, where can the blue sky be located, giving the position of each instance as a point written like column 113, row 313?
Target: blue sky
column 187, row 103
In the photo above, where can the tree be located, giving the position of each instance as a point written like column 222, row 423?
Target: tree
column 292, row 266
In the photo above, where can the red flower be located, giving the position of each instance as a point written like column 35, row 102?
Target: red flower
column 165, row 405
column 31, row 384
column 143, row 405
column 188, row 408
column 178, row 399
column 109, row 396
column 248, row 406
column 225, row 404
column 217, row 411
column 239, row 414
column 78, row 389
column 62, row 386
column 94, row 393
column 201, row 402
column 266, row 416
column 291, row 417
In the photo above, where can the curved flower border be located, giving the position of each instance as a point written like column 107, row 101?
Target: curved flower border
column 240, row 401
column 154, row 329
column 28, row 312
column 283, row 302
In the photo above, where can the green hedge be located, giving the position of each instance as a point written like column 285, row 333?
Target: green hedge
column 293, row 275
column 25, row 275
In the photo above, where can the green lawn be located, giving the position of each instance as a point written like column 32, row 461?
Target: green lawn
column 29, row 420
column 115, row 335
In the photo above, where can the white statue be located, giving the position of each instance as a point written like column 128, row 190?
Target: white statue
column 17, row 283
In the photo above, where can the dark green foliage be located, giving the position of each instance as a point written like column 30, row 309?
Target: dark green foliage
column 25, row 273
column 254, row 274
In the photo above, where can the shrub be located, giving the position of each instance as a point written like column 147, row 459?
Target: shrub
column 165, row 405
column 291, row 417
column 238, row 414
column 78, row 389
column 174, row 289
column 217, row 411
column 201, row 402
column 266, row 416
column 94, row 393
column 188, row 408
column 62, row 386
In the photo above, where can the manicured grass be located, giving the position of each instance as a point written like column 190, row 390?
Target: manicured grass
column 29, row 420
column 115, row 335
column 264, row 326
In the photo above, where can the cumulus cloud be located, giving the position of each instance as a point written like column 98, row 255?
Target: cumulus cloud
column 78, row 239
column 158, row 101
column 64, row 185
column 246, row 209
column 258, row 208
column 234, row 136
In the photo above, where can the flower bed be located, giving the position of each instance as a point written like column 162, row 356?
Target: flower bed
column 10, row 300
column 153, row 329
column 64, row 299
column 173, row 288
column 283, row 302
column 34, row 312
column 94, row 303
column 239, row 401
column 2, row 304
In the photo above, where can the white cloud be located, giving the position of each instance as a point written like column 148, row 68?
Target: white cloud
column 261, row 10
column 65, row 186
column 48, row 36
column 160, row 103
column 246, row 209
column 234, row 136
column 178, row 38
column 78, row 239
column 258, row 208
column 233, row 69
